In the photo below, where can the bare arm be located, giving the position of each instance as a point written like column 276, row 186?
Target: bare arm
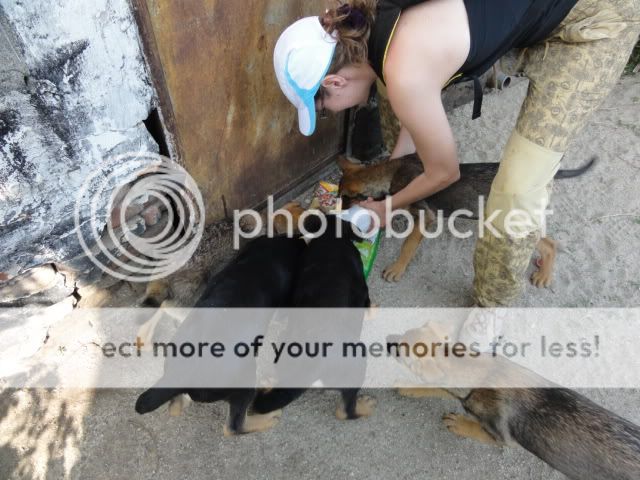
column 419, row 108
column 431, row 43
column 404, row 145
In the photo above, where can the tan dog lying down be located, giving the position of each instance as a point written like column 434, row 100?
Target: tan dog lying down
column 572, row 434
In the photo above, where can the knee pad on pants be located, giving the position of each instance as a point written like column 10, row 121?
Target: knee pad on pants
column 520, row 192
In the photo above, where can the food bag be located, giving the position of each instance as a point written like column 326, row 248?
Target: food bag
column 326, row 199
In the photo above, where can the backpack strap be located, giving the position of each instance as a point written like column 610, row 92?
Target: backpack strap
column 478, row 94
column 387, row 16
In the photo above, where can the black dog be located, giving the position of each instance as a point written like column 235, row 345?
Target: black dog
column 260, row 277
column 330, row 275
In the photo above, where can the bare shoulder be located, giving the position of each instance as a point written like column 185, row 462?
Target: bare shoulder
column 430, row 44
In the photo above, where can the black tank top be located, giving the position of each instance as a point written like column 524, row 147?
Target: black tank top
column 496, row 26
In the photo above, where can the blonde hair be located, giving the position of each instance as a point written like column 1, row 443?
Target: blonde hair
column 352, row 21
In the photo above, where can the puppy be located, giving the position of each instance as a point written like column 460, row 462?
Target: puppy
column 360, row 182
column 261, row 277
column 568, row 431
column 330, row 275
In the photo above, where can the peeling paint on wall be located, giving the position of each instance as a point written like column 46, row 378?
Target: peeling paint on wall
column 74, row 93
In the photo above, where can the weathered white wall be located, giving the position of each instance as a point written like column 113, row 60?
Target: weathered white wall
column 74, row 92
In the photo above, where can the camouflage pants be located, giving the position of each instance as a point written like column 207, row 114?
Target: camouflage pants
column 570, row 74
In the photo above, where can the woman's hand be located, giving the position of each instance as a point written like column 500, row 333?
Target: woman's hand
column 379, row 209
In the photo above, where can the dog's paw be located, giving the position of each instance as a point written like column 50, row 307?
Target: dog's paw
column 542, row 277
column 256, row 423
column 539, row 280
column 262, row 423
column 455, row 423
column 371, row 312
column 414, row 392
column 364, row 408
column 467, row 427
column 178, row 405
column 395, row 272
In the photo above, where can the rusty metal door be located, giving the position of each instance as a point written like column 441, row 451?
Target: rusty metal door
column 232, row 127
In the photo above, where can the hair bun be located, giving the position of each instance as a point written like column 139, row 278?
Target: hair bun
column 351, row 22
column 355, row 18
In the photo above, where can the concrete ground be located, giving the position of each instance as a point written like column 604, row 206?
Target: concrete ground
column 86, row 435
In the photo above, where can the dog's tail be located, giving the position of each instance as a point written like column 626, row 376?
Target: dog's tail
column 576, row 172
column 154, row 398
column 271, row 400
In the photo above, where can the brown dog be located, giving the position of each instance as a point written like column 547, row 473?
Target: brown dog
column 568, row 431
column 360, row 182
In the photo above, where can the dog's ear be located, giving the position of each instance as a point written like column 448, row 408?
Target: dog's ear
column 350, row 232
column 280, row 221
column 313, row 222
column 347, row 166
column 332, row 226
column 347, row 229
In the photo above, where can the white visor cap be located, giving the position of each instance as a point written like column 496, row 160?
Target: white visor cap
column 301, row 59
